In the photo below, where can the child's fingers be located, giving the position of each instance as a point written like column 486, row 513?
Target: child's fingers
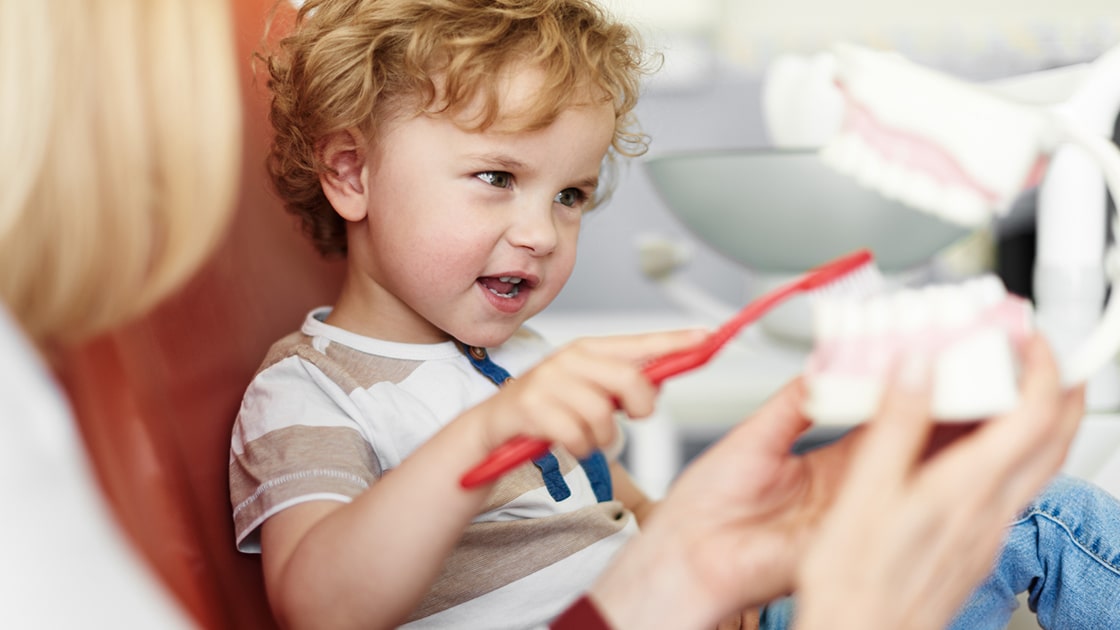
column 563, row 426
column 618, row 383
column 640, row 347
column 591, row 407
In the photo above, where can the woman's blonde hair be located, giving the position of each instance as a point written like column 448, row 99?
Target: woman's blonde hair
column 120, row 122
column 357, row 63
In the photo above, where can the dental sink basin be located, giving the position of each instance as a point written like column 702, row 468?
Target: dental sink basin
column 782, row 211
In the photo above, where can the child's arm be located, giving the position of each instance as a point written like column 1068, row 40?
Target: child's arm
column 627, row 491
column 369, row 563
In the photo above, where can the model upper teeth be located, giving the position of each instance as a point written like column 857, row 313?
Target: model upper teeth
column 910, row 311
column 924, row 138
column 510, row 279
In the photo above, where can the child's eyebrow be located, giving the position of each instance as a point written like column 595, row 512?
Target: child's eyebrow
column 501, row 160
column 591, row 183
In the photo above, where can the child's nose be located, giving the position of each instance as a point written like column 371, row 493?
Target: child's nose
column 534, row 228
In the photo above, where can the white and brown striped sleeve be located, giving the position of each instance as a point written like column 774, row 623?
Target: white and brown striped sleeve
column 293, row 441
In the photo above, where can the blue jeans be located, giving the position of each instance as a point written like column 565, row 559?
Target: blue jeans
column 1063, row 550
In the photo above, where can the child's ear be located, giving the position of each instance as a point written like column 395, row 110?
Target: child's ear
column 344, row 181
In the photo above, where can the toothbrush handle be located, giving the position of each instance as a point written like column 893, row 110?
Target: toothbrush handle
column 506, row 457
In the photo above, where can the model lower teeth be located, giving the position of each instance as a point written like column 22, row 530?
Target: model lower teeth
column 968, row 332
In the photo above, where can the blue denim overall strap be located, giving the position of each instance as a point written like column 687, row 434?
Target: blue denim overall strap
column 595, row 465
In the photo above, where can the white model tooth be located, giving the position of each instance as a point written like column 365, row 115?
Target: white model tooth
column 964, row 207
column 850, row 155
column 988, row 289
column 845, row 153
column 893, row 181
column 878, row 310
column 826, row 318
column 869, row 168
column 910, row 312
column 852, row 321
column 837, row 153
column 952, row 306
column 921, row 192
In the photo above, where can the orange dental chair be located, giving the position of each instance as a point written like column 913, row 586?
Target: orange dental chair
column 156, row 400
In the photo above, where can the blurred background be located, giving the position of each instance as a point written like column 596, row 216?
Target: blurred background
column 708, row 93
column 708, row 97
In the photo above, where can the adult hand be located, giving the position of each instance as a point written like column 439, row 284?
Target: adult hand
column 913, row 531
column 730, row 532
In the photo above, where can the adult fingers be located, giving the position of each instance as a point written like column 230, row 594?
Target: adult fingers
column 897, row 435
column 777, row 423
column 1025, row 446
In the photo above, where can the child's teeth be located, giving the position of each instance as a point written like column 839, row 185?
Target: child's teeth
column 510, row 279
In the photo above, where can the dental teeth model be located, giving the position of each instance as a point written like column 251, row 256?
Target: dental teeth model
column 934, row 142
column 969, row 332
column 962, row 152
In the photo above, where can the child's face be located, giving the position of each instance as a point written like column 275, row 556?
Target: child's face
column 471, row 233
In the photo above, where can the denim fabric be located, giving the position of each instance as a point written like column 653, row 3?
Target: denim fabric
column 1063, row 550
column 599, row 474
column 777, row 615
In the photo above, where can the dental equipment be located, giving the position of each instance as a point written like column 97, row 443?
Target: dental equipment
column 960, row 152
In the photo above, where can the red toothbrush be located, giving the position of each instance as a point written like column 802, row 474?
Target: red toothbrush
column 846, row 275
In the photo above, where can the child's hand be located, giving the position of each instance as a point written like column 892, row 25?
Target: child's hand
column 570, row 397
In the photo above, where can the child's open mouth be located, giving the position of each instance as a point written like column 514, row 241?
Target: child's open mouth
column 503, row 286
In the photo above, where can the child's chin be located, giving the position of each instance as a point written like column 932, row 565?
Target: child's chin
column 490, row 336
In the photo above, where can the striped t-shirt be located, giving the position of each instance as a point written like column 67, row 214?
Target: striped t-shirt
column 330, row 411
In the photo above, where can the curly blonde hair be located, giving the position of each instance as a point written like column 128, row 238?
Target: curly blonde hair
column 358, row 63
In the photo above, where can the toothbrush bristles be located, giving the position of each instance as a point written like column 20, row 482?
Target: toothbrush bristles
column 864, row 281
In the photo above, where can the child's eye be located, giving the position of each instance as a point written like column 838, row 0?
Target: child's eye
column 501, row 179
column 570, row 197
